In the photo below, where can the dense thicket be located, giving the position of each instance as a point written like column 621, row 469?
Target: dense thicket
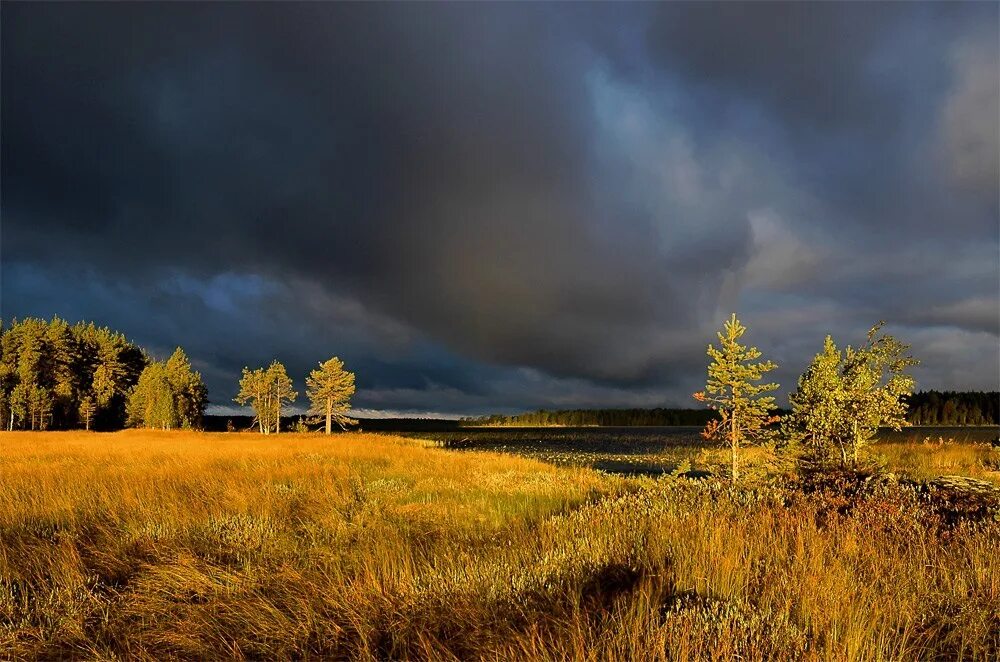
column 954, row 408
column 169, row 395
column 57, row 375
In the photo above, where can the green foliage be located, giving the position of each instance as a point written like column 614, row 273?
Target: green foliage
column 189, row 392
column 301, row 425
column 255, row 392
column 330, row 388
column 151, row 403
column 816, row 423
column 876, row 383
column 47, row 368
column 844, row 397
column 266, row 392
column 734, row 391
column 169, row 395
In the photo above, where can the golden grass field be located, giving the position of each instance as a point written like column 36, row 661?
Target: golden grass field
column 162, row 545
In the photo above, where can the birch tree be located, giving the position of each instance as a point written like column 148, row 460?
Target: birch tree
column 267, row 392
column 281, row 389
column 843, row 398
column 816, row 424
column 255, row 392
column 189, row 392
column 875, row 386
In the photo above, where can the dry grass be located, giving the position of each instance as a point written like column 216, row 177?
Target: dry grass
column 929, row 458
column 147, row 545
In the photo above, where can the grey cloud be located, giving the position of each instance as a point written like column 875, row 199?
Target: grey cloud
column 971, row 116
column 973, row 314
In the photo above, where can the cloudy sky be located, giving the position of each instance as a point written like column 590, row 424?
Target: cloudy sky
column 502, row 207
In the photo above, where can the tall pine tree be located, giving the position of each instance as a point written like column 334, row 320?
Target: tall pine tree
column 734, row 390
column 330, row 388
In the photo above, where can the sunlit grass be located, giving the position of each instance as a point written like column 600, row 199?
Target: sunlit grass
column 930, row 458
column 144, row 545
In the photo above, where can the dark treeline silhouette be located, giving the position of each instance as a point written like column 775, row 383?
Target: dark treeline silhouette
column 954, row 408
column 57, row 375
column 242, row 423
column 925, row 408
column 600, row 417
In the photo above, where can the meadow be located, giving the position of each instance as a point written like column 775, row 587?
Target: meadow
column 177, row 545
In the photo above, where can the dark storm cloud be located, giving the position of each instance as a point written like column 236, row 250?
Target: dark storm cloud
column 503, row 206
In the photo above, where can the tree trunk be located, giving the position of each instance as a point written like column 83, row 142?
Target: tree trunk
column 854, row 442
column 329, row 415
column 277, row 413
column 735, row 443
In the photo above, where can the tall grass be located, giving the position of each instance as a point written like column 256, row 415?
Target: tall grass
column 151, row 546
column 930, row 457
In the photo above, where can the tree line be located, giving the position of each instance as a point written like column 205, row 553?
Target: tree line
column 598, row 417
column 57, row 375
column 954, row 408
column 922, row 408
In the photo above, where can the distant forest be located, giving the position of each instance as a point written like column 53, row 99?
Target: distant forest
column 954, row 408
column 601, row 417
column 926, row 408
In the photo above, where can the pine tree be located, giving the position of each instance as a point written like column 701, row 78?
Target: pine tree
column 330, row 388
column 86, row 410
column 40, row 407
column 8, row 380
column 189, row 392
column 58, row 365
column 733, row 389
column 60, row 360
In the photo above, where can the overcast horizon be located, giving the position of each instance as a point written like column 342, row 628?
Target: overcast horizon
column 503, row 207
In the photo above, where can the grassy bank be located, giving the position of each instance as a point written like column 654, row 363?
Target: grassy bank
column 147, row 545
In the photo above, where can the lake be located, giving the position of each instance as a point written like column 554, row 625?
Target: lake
column 634, row 450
